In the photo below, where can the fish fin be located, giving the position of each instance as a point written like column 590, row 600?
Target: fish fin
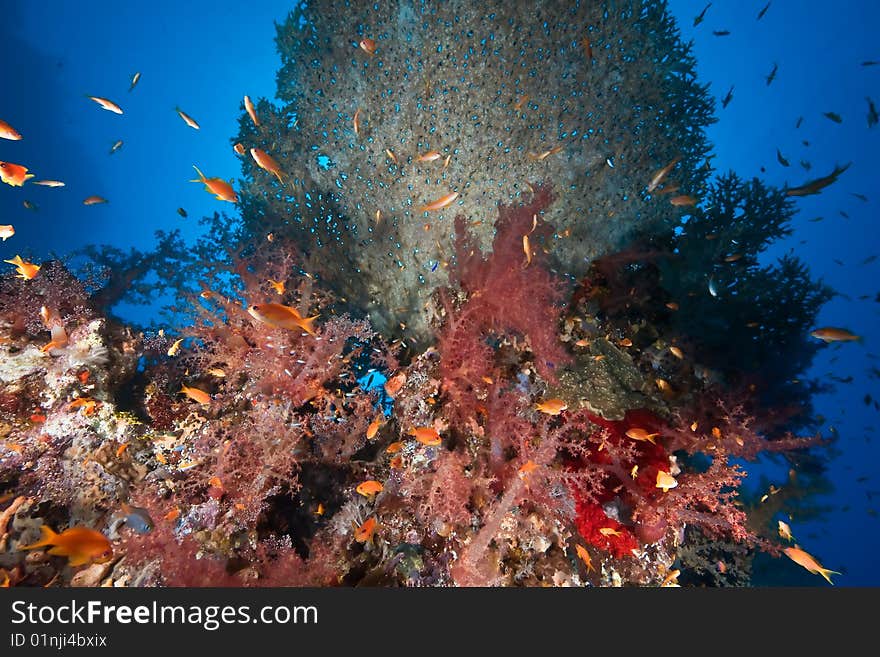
column 201, row 175
column 28, row 176
column 307, row 324
column 76, row 560
column 825, row 572
column 47, row 538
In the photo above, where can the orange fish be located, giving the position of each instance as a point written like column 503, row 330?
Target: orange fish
column 540, row 157
column 527, row 468
column 672, row 305
column 609, row 531
column 374, row 427
column 14, row 174
column 278, row 286
column 7, row 231
column 221, row 189
column 196, row 394
column 249, row 106
column 396, row 463
column 190, row 121
column 368, row 46
column 356, row 122
column 426, row 435
column 671, row 579
column 80, row 545
column 394, row 384
column 267, row 162
column 551, row 406
column 26, row 270
column 8, row 132
column 675, row 351
column 661, row 174
column 665, row 481
column 521, row 102
column 108, row 105
column 585, row 557
column 391, row 155
column 49, row 183
column 806, row 560
column 279, row 316
column 172, row 515
column 394, row 447
column 637, row 433
column 94, row 200
column 440, row 203
column 4, row 579
column 239, row 148
column 784, row 530
column 527, row 250
column 683, row 200
column 430, row 156
column 369, row 488
column 87, row 404
column 834, row 334
column 365, row 532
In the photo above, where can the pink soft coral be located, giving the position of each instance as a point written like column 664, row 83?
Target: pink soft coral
column 507, row 295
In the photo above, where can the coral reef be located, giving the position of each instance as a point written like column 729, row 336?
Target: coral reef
column 353, row 390
column 592, row 96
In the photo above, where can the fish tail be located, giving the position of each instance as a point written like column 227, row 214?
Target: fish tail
column 307, row 324
column 201, row 175
column 825, row 572
column 48, row 538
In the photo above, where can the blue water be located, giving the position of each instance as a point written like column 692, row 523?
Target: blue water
column 819, row 51
column 204, row 56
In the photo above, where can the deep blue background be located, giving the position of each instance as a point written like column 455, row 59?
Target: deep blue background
column 204, row 56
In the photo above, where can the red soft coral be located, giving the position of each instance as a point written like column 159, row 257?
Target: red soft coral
column 507, row 296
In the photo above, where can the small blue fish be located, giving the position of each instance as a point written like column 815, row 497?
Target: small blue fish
column 712, row 289
column 138, row 519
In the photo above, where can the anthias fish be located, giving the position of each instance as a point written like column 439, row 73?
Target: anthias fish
column 8, row 132
column 80, row 545
column 834, row 334
column 808, row 561
column 440, row 203
column 252, row 112
column 280, row 316
column 267, row 163
column 14, row 174
column 108, row 105
column 190, row 121
column 221, row 189
column 26, row 270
